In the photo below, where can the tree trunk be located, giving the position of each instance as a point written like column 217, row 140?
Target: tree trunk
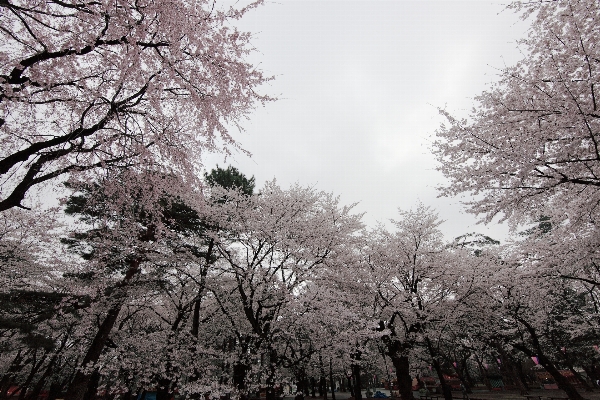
column 586, row 385
column 446, row 390
column 463, row 381
column 561, row 381
column 162, row 392
column 35, row 366
column 42, row 381
column 54, row 391
column 322, row 380
column 273, row 362
column 49, row 370
column 79, row 385
column 90, row 393
column 331, row 381
column 510, row 368
column 484, row 377
column 8, row 378
column 357, row 383
column 203, row 272
column 239, row 375
column 592, row 372
column 402, row 367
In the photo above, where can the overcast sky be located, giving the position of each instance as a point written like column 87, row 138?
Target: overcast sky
column 359, row 84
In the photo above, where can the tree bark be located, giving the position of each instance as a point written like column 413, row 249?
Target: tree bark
column 35, row 366
column 402, row 367
column 80, row 384
column 239, row 375
column 8, row 378
column 484, row 377
column 90, row 393
column 561, row 381
column 273, row 362
column 162, row 392
column 357, row 382
column 446, row 390
column 42, row 381
column 331, row 381
column 510, row 368
column 54, row 391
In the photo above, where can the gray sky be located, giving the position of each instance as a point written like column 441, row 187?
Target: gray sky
column 359, row 83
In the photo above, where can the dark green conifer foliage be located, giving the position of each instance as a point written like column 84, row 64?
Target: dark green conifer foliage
column 230, row 178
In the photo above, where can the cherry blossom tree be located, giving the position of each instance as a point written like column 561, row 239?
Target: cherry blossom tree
column 140, row 279
column 118, row 84
column 130, row 242
column 533, row 315
column 407, row 274
column 420, row 286
column 529, row 151
column 272, row 246
column 530, row 145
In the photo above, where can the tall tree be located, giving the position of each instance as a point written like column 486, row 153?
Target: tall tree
column 118, row 83
column 530, row 146
column 412, row 275
column 271, row 246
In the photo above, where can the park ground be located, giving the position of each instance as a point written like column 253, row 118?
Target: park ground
column 534, row 394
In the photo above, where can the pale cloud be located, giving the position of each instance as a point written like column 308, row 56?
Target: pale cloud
column 360, row 83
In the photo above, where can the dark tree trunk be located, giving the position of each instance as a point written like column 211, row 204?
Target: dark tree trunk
column 511, row 370
column 357, row 382
column 42, row 381
column 446, row 389
column 127, row 395
column 55, row 391
column 34, row 369
column 468, row 376
column 162, row 392
column 197, row 303
column 312, row 387
column 273, row 362
column 239, row 375
column 465, row 376
column 484, row 377
column 322, row 380
column 302, row 386
column 521, row 375
column 561, row 381
column 586, row 385
column 402, row 367
column 396, row 351
column 591, row 372
column 79, row 386
column 80, row 383
column 331, row 381
column 8, row 377
column 90, row 393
